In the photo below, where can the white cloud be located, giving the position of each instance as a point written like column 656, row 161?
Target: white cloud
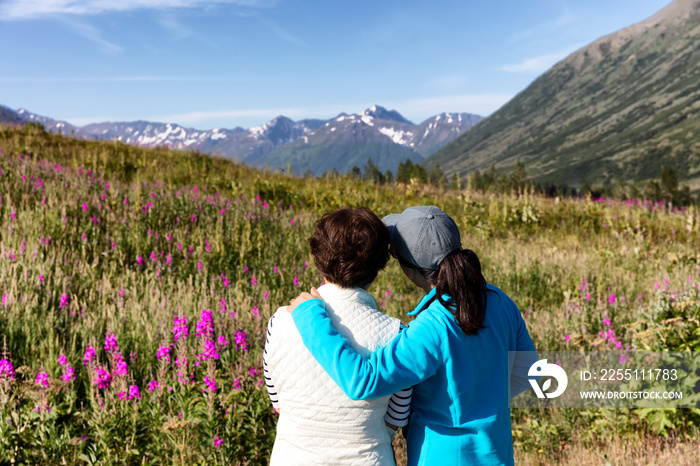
column 29, row 9
column 175, row 28
column 92, row 34
column 535, row 64
column 541, row 63
column 284, row 35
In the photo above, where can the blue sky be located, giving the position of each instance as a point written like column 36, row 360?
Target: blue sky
column 228, row 63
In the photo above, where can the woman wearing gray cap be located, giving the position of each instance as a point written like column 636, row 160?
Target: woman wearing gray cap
column 458, row 353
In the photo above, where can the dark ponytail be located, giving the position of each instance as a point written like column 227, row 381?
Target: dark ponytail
column 459, row 277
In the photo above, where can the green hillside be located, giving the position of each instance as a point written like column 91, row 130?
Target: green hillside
column 621, row 108
column 120, row 264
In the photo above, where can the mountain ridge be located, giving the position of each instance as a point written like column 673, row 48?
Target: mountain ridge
column 618, row 108
column 264, row 145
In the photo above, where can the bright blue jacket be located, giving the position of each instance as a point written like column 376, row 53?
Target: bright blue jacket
column 462, row 383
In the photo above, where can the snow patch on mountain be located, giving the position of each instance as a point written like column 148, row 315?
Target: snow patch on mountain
column 398, row 136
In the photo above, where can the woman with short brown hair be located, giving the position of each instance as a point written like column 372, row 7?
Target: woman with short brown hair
column 318, row 423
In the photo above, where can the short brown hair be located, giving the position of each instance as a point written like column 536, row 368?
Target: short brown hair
column 350, row 247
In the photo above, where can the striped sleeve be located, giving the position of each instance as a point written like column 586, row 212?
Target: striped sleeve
column 271, row 390
column 399, row 409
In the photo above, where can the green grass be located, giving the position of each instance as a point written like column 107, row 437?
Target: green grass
column 78, row 263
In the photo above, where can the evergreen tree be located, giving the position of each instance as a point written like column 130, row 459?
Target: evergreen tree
column 652, row 191
column 475, row 181
column 403, row 174
column 669, row 183
column 388, row 176
column 372, row 172
column 519, row 176
column 436, row 176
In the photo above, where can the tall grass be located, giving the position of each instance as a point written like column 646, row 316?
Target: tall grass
column 119, row 249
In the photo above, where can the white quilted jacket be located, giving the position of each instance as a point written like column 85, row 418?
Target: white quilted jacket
column 318, row 423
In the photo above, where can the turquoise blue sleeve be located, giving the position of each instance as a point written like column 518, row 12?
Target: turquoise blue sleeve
column 524, row 356
column 411, row 357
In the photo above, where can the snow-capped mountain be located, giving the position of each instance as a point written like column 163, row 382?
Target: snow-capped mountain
column 383, row 135
column 317, row 145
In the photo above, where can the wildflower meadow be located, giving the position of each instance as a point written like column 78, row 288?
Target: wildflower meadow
column 136, row 286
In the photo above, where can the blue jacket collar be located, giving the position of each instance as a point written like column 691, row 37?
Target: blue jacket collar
column 424, row 302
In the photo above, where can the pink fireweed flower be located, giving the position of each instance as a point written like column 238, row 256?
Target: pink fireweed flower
column 7, row 371
column 62, row 359
column 90, row 355
column 567, row 337
column 222, row 341
column 241, row 340
column 588, row 296
column 296, row 282
column 222, row 306
column 164, row 353
column 42, row 379
column 139, row 260
column 253, row 281
column 205, row 326
column 111, row 343
column 611, row 299
column 85, row 207
column 68, row 374
column 180, row 328
column 209, row 351
column 103, row 377
column 218, row 442
column 210, row 383
column 121, row 368
column 256, row 312
column 199, row 266
column 63, row 302
column 153, row 385
column 237, row 384
column 134, row 392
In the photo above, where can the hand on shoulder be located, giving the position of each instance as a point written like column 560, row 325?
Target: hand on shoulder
column 314, row 294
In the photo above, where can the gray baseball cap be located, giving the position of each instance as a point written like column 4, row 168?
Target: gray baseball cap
column 423, row 235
